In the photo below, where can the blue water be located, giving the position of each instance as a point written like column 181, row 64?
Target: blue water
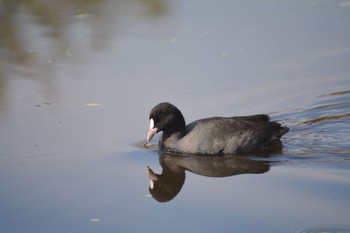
column 77, row 82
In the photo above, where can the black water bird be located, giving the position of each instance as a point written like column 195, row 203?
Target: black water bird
column 214, row 135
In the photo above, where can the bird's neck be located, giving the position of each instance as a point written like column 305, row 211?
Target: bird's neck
column 173, row 134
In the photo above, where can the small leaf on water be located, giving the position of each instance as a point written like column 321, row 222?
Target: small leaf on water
column 92, row 104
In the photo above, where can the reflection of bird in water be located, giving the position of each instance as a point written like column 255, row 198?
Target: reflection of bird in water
column 165, row 186
column 152, row 177
column 215, row 135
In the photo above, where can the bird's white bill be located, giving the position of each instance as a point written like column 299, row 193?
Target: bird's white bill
column 151, row 124
column 151, row 133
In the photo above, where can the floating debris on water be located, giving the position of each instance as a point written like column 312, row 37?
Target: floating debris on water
column 83, row 15
column 43, row 104
column 94, row 220
column 92, row 104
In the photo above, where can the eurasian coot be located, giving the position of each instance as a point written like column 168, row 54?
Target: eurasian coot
column 214, row 135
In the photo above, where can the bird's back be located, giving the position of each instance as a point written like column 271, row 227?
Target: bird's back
column 227, row 135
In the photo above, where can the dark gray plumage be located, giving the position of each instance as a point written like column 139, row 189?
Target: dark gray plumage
column 215, row 135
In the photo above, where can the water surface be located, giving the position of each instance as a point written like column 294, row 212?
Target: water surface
column 77, row 82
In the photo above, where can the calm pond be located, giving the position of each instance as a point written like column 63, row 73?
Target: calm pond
column 79, row 78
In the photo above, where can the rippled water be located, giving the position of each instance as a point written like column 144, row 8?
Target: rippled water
column 324, row 230
column 321, row 131
column 77, row 82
